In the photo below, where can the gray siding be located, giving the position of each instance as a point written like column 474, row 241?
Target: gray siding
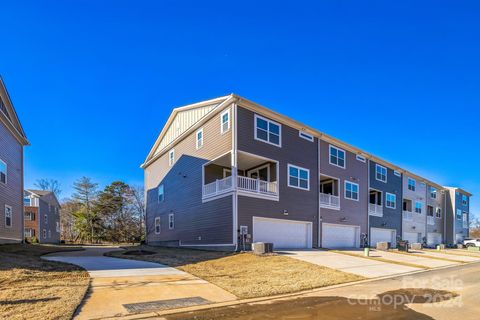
column 419, row 221
column 439, row 223
column 465, row 209
column 392, row 218
column 196, row 223
column 301, row 205
column 47, row 205
column 11, row 193
column 351, row 212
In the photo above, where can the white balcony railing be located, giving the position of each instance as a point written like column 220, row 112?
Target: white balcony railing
column 430, row 220
column 375, row 210
column 407, row 215
column 329, row 201
column 257, row 186
column 243, row 183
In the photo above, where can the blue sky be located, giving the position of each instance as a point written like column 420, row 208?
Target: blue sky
column 94, row 81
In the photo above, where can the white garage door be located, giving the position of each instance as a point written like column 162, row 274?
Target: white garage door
column 434, row 238
column 340, row 236
column 383, row 235
column 283, row 233
column 411, row 237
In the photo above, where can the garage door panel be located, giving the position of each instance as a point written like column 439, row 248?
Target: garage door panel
column 411, row 237
column 382, row 235
column 434, row 238
column 340, row 236
column 283, row 233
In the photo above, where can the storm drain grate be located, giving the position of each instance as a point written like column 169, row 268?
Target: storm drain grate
column 165, row 304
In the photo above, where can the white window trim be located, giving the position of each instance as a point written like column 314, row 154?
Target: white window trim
column 414, row 184
column 386, row 202
column 6, row 172
column 197, row 140
column 397, row 173
column 44, row 234
column 436, row 213
column 361, row 158
column 464, row 203
column 221, row 121
column 298, row 168
column 158, row 193
column 171, row 160
column 415, row 208
column 159, row 225
column 11, row 216
column 305, row 136
column 171, row 221
column 268, row 132
column 386, row 173
column 249, row 172
column 457, row 215
column 345, row 190
column 225, row 171
column 330, row 157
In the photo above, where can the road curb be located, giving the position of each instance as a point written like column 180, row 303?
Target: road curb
column 281, row 296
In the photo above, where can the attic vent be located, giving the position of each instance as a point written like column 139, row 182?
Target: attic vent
column 4, row 109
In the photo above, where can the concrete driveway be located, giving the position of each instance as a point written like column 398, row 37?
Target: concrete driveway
column 364, row 267
column 439, row 254
column 121, row 287
column 410, row 258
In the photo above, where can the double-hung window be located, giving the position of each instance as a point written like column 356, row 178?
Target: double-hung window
column 225, row 121
column 157, row 225
column 418, row 207
column 45, row 218
column 411, row 184
column 380, row 173
column 171, row 157
column 391, row 200
column 199, row 138
column 8, row 216
column 337, row 157
column 268, row 131
column 298, row 177
column 171, row 221
column 44, row 234
column 3, row 172
column 161, row 193
column 459, row 214
column 438, row 214
column 351, row 190
column 433, row 193
column 464, row 200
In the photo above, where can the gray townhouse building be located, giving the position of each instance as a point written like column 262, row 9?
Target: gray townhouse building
column 384, row 204
column 12, row 141
column 458, row 214
column 42, row 216
column 227, row 172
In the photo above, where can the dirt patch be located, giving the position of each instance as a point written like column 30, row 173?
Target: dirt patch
column 388, row 305
column 247, row 275
column 37, row 289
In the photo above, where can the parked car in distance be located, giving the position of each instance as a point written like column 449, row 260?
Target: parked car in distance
column 472, row 242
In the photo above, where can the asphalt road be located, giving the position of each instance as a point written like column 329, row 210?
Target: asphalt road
column 452, row 293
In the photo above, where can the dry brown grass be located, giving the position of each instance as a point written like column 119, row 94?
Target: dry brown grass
column 31, row 288
column 247, row 275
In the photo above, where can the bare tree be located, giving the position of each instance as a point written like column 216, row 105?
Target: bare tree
column 138, row 195
column 67, row 220
column 49, row 185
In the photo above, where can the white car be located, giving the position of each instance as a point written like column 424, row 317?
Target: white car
column 471, row 242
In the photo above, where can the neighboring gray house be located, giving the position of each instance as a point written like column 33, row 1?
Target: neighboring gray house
column 414, row 209
column 457, row 214
column 343, row 196
column 227, row 172
column 12, row 141
column 42, row 216
column 435, row 215
column 385, row 204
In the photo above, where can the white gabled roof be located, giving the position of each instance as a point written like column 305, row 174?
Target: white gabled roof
column 181, row 119
column 10, row 117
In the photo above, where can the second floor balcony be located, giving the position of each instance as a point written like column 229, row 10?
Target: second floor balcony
column 255, row 176
column 407, row 215
column 329, row 192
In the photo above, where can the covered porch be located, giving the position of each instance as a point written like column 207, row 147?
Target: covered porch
column 254, row 176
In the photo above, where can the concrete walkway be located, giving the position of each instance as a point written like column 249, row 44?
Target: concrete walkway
column 439, row 254
column 364, row 267
column 408, row 258
column 121, row 287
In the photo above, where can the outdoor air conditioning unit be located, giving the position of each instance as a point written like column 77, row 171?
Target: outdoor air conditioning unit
column 262, row 247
